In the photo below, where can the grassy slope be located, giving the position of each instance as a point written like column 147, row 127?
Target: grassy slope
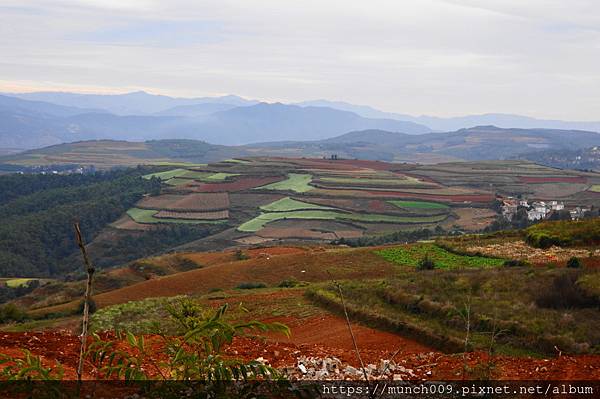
column 564, row 233
column 500, row 298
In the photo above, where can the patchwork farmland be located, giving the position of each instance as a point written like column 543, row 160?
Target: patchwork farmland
column 263, row 199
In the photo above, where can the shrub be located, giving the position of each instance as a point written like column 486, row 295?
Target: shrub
column 426, row 263
column 92, row 307
column 241, row 255
column 574, row 263
column 516, row 263
column 250, row 286
column 11, row 312
column 289, row 283
column 565, row 293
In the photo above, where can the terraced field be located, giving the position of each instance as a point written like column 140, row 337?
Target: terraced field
column 191, row 202
column 397, row 181
column 364, row 198
column 418, row 204
column 260, row 221
column 288, row 204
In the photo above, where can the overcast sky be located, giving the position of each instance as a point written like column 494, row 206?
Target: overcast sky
column 437, row 57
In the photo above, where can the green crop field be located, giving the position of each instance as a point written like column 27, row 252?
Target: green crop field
column 288, row 204
column 194, row 175
column 169, row 174
column 17, row 282
column 260, row 221
column 219, row 176
column 297, row 182
column 177, row 177
column 418, row 204
column 146, row 216
column 595, row 188
column 176, row 181
column 411, row 255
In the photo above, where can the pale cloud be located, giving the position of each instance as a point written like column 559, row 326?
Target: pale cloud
column 443, row 57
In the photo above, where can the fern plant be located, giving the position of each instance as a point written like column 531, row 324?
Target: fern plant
column 193, row 355
column 28, row 367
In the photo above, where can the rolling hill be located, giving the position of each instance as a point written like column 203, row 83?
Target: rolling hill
column 479, row 143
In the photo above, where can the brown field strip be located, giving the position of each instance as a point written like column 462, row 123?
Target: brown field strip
column 195, row 202
column 268, row 268
column 214, row 215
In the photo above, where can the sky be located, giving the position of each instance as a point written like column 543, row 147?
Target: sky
column 435, row 57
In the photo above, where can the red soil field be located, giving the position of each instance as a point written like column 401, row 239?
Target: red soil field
column 358, row 204
column 244, row 183
column 187, row 203
column 481, row 198
column 557, row 179
column 268, row 265
column 313, row 338
column 300, row 233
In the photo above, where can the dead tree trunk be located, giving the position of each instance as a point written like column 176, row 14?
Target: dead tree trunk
column 86, row 300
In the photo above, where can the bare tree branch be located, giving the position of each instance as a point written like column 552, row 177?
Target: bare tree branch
column 86, row 300
column 362, row 364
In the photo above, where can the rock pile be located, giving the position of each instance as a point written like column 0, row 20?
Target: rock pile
column 332, row 368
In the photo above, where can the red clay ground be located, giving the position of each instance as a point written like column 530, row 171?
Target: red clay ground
column 315, row 265
column 64, row 347
column 557, row 179
column 244, row 183
column 343, row 193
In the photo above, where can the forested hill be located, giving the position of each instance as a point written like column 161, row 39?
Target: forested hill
column 37, row 213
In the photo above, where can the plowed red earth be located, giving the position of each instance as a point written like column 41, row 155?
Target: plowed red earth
column 238, row 185
column 557, row 179
column 315, row 340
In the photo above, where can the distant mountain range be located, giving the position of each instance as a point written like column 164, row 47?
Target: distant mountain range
column 455, row 123
column 478, row 143
column 32, row 124
column 34, row 120
column 135, row 103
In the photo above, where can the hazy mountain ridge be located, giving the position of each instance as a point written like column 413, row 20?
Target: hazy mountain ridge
column 134, row 103
column 454, row 123
column 23, row 126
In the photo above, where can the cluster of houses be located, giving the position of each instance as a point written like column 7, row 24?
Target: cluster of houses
column 538, row 210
